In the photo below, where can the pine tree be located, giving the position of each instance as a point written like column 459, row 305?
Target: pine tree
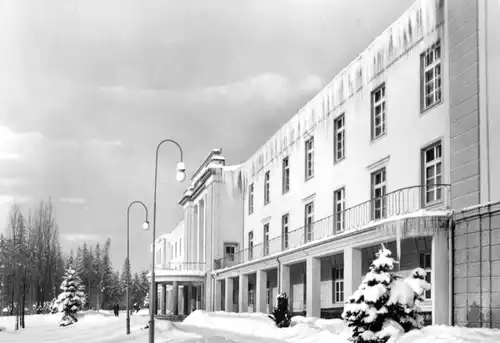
column 146, row 300
column 72, row 298
column 384, row 305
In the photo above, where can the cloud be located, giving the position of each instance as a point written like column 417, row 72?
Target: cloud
column 8, row 182
column 72, row 237
column 99, row 142
column 75, row 201
column 15, row 146
column 6, row 199
column 270, row 87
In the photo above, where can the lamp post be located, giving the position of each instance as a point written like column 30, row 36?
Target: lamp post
column 180, row 176
column 145, row 226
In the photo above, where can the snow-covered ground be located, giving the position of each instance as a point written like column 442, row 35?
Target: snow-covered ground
column 218, row 327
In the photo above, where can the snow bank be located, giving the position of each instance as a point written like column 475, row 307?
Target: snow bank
column 258, row 325
column 250, row 324
column 445, row 334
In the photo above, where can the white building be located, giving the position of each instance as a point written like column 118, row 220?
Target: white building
column 381, row 155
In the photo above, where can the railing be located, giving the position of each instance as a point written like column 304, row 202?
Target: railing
column 181, row 266
column 400, row 202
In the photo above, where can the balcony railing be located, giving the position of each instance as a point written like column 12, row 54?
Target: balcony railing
column 400, row 202
column 181, row 266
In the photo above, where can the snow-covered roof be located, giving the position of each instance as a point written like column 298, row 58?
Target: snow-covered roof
column 419, row 21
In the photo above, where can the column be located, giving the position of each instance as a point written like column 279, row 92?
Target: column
column 163, row 299
column 184, row 300
column 353, row 262
column 243, row 293
column 189, row 298
column 440, row 279
column 218, row 295
column 261, row 291
column 284, row 278
column 228, row 297
column 175, row 300
column 313, row 287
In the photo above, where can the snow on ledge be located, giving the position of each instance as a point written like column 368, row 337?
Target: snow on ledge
column 418, row 214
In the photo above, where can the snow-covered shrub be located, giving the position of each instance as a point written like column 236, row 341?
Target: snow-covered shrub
column 384, row 306
column 72, row 298
column 281, row 315
column 146, row 301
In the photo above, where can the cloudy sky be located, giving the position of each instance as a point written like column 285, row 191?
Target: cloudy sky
column 88, row 88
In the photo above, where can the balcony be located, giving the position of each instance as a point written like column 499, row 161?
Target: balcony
column 392, row 206
column 176, row 268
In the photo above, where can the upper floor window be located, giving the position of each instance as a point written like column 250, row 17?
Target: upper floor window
column 431, row 76
column 309, row 158
column 229, row 251
column 267, row 187
column 250, row 245
column 378, row 112
column 433, row 173
column 339, row 138
column 286, row 175
column 426, row 264
column 284, row 231
column 379, row 202
column 266, row 239
column 339, row 209
column 338, row 283
column 250, row 199
column 309, row 220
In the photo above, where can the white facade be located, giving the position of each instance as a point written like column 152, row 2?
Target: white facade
column 374, row 158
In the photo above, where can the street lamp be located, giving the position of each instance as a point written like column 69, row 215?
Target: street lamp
column 180, row 176
column 145, row 225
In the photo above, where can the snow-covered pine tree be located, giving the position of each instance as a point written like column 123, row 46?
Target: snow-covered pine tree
column 146, row 300
column 72, row 298
column 281, row 315
column 384, row 306
column 365, row 310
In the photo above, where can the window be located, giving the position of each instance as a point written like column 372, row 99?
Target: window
column 250, row 245
column 267, row 185
column 229, row 251
column 309, row 220
column 338, row 285
column 251, row 294
column 309, row 158
column 339, row 209
column 339, row 138
column 266, row 239
column 431, row 76
column 379, row 202
column 426, row 264
column 250, row 199
column 269, row 292
column 286, row 175
column 433, row 173
column 378, row 112
column 284, row 232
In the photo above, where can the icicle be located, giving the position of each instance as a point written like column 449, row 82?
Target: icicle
column 398, row 239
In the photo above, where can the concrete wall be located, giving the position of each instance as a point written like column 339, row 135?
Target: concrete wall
column 463, row 39
column 477, row 267
column 229, row 219
column 492, row 72
column 405, row 123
